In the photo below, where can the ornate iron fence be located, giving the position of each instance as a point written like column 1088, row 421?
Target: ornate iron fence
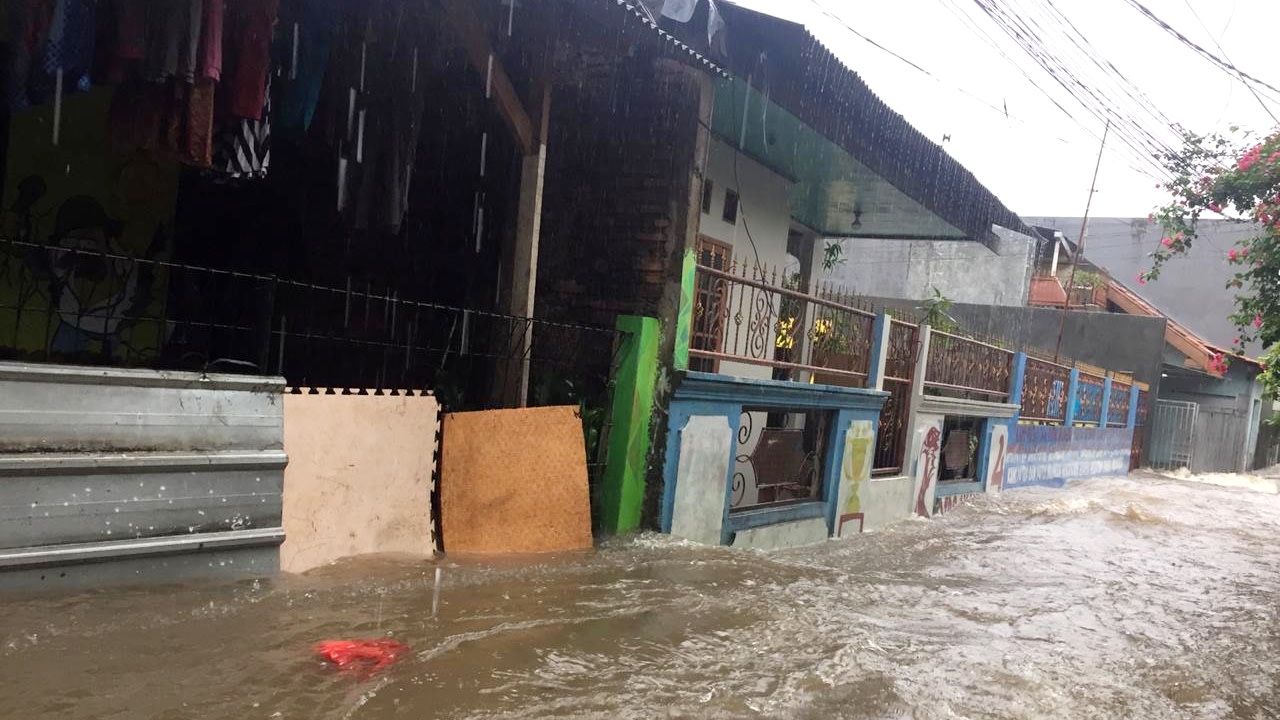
column 900, row 365
column 967, row 368
column 1089, row 393
column 749, row 315
column 1118, row 408
column 1044, row 392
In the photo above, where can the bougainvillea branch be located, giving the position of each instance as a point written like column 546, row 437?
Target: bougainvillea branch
column 1237, row 178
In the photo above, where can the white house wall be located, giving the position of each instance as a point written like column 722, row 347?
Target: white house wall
column 964, row 271
column 758, row 238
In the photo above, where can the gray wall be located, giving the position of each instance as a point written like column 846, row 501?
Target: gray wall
column 1124, row 343
column 1191, row 290
column 964, row 271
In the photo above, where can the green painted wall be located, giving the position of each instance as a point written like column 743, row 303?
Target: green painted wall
column 621, row 494
column 684, row 321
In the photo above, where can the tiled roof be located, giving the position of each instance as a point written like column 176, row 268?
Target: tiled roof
column 1046, row 290
column 1199, row 352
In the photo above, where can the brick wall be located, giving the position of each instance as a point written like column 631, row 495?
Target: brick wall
column 620, row 164
column 624, row 169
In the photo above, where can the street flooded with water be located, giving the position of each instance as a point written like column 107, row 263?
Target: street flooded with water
column 1134, row 598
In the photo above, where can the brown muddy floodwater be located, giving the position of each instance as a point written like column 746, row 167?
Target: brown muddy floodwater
column 1137, row 598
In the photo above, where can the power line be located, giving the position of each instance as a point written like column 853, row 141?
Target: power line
column 1022, row 27
column 1223, row 50
column 1214, row 59
column 1002, row 111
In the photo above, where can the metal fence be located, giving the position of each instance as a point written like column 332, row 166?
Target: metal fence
column 1044, row 392
column 1220, row 439
column 1173, row 427
column 900, row 366
column 1090, row 390
column 1118, row 407
column 748, row 314
column 67, row 305
column 967, row 368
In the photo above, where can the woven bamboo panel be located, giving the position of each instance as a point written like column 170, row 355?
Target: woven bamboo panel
column 514, row 481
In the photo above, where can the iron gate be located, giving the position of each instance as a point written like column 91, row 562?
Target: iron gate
column 1173, row 430
column 1221, row 435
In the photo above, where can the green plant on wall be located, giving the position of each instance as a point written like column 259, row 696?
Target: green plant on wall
column 832, row 256
column 1089, row 280
column 937, row 312
column 837, row 333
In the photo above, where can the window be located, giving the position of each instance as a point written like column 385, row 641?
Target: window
column 778, row 458
column 961, row 440
column 708, row 310
column 730, row 206
column 708, row 188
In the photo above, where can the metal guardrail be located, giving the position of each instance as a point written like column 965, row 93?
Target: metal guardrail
column 965, row 367
column 744, row 314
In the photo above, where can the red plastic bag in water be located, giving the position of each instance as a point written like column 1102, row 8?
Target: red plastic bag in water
column 363, row 657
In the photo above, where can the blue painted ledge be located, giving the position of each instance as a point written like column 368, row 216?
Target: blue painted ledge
column 739, row 521
column 709, row 387
column 947, row 489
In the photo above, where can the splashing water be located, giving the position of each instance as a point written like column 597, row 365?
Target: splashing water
column 1144, row 597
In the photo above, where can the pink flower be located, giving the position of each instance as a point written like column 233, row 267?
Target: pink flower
column 1167, row 242
column 1151, row 217
column 1231, row 254
column 1250, row 159
column 1257, row 321
column 1236, row 341
column 1142, row 279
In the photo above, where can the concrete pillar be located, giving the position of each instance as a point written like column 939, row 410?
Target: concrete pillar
column 879, row 351
column 1072, row 394
column 524, row 261
column 1016, row 381
column 1104, row 416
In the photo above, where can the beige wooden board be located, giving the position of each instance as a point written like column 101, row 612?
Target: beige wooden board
column 514, row 481
column 359, row 478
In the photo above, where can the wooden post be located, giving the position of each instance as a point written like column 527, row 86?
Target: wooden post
column 524, row 268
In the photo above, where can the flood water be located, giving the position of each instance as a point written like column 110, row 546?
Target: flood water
column 1137, row 598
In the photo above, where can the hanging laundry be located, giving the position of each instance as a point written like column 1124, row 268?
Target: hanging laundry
column 392, row 109
column 29, row 22
column 167, row 25
column 211, row 40
column 246, row 56
column 310, row 34
column 242, row 146
column 679, row 10
column 126, row 37
column 68, row 50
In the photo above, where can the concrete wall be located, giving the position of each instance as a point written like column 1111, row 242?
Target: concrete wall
column 964, row 271
column 1124, row 343
column 704, row 421
column 161, row 472
column 1191, row 290
column 1051, row 456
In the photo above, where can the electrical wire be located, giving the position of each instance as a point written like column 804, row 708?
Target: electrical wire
column 1223, row 50
column 1213, row 59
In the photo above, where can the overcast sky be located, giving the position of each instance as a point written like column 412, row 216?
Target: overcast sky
column 1039, row 161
